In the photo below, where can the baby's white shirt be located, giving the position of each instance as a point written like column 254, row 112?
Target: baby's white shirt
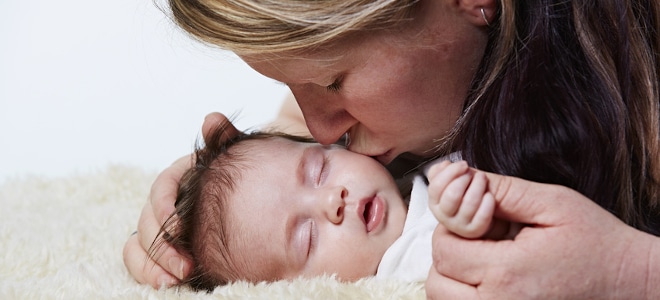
column 409, row 258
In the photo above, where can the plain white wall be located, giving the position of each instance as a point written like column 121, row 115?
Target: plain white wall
column 87, row 83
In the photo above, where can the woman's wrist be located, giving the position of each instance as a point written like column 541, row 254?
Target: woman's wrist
column 651, row 268
column 638, row 276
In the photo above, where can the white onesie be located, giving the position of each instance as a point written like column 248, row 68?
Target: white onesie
column 409, row 258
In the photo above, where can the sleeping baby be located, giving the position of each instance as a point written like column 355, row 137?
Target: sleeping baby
column 266, row 207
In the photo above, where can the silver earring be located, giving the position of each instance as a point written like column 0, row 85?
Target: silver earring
column 483, row 14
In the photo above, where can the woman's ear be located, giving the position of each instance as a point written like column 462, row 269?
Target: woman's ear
column 479, row 12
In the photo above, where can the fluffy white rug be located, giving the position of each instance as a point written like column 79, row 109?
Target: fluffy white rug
column 62, row 238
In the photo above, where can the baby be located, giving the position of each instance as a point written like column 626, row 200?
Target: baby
column 266, row 207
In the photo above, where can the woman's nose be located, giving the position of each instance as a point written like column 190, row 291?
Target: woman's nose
column 333, row 203
column 326, row 119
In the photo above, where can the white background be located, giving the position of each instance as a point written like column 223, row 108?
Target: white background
column 84, row 84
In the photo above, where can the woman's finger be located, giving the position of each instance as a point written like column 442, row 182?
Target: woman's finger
column 137, row 263
column 451, row 259
column 162, row 254
column 164, row 189
column 438, row 286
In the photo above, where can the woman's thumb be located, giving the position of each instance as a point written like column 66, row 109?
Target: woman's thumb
column 527, row 202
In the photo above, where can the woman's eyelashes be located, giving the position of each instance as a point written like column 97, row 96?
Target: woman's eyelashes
column 335, row 86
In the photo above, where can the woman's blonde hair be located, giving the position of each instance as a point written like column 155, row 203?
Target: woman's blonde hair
column 271, row 27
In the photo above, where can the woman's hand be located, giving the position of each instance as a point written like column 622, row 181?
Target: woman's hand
column 571, row 248
column 169, row 266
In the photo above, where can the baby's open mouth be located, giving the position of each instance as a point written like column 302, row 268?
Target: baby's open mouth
column 373, row 212
column 367, row 211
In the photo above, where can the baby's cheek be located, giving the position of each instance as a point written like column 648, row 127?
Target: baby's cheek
column 355, row 266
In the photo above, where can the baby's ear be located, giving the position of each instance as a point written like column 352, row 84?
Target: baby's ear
column 216, row 120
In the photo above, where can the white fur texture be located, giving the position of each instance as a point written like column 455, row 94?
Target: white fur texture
column 62, row 238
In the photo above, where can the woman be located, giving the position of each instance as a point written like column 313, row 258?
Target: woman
column 557, row 92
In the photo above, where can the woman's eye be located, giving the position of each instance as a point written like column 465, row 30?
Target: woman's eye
column 335, row 86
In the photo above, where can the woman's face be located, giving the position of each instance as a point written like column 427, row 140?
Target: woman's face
column 391, row 91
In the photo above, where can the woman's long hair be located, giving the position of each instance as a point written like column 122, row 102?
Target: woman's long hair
column 568, row 94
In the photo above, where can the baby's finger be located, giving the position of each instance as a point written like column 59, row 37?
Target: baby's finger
column 472, row 197
column 481, row 222
column 441, row 175
column 437, row 168
column 443, row 203
column 451, row 200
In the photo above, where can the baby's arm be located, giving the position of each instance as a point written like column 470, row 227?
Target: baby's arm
column 459, row 199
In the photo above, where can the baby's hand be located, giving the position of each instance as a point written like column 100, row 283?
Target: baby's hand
column 459, row 199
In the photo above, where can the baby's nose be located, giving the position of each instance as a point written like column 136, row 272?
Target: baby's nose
column 333, row 203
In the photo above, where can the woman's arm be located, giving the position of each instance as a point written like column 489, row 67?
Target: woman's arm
column 571, row 248
column 169, row 266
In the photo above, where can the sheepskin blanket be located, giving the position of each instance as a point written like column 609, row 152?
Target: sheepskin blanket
column 62, row 238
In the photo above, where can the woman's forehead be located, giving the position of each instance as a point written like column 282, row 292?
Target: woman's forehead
column 298, row 70
column 307, row 64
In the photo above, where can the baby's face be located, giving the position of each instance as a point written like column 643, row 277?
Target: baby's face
column 305, row 210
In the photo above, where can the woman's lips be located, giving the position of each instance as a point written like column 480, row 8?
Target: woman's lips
column 372, row 211
column 385, row 158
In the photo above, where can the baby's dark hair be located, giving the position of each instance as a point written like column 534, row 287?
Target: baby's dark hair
column 198, row 227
